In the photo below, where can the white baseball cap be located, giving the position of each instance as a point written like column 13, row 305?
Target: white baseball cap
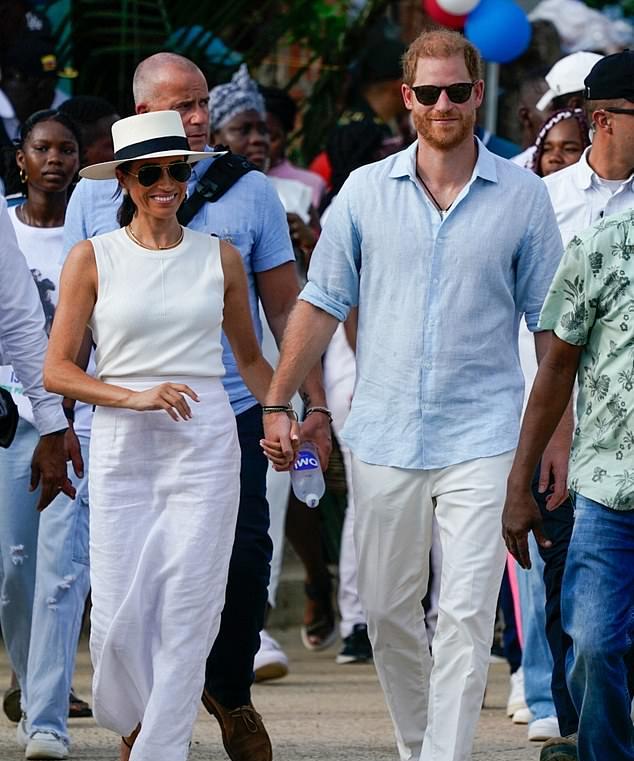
column 567, row 76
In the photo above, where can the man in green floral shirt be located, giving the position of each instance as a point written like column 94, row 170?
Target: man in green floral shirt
column 590, row 309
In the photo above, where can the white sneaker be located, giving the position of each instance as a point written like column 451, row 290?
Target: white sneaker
column 46, row 745
column 270, row 661
column 523, row 716
column 543, row 729
column 516, row 693
column 22, row 733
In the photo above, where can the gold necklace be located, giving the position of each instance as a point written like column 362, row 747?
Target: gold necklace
column 133, row 237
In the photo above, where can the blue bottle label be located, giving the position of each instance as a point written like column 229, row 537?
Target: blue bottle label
column 306, row 460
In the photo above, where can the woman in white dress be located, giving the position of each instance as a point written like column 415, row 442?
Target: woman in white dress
column 164, row 487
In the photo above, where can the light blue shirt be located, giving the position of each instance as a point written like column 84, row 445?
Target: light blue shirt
column 249, row 215
column 438, row 374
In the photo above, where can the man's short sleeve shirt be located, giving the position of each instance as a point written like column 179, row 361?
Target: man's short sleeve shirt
column 590, row 304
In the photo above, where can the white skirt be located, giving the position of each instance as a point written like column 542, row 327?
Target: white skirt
column 163, row 508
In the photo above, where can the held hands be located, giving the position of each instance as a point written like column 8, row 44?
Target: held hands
column 281, row 440
column 167, row 396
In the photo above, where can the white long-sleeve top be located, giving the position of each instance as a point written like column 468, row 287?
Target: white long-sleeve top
column 22, row 337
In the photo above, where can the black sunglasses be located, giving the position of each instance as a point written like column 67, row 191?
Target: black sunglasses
column 427, row 95
column 629, row 111
column 148, row 175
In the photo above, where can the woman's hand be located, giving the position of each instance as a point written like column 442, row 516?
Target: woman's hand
column 281, row 440
column 167, row 396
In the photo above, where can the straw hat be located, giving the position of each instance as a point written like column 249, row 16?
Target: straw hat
column 153, row 135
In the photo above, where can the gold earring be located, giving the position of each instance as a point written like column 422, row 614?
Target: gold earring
column 23, row 176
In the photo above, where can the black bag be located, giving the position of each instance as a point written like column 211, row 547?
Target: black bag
column 8, row 418
column 224, row 172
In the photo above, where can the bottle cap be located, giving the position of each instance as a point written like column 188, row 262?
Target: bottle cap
column 312, row 500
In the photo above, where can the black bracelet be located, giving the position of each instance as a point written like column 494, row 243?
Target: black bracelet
column 277, row 408
column 323, row 410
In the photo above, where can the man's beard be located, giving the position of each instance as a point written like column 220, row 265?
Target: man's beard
column 444, row 137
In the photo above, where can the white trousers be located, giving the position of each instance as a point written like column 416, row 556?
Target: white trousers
column 163, row 509
column 393, row 535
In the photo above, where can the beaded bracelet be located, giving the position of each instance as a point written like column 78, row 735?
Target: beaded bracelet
column 323, row 410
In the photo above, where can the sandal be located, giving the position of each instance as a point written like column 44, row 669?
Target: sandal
column 318, row 631
column 128, row 741
column 78, row 708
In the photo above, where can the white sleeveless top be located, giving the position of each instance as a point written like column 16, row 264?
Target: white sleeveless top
column 158, row 313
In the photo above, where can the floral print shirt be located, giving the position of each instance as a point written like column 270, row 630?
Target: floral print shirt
column 591, row 304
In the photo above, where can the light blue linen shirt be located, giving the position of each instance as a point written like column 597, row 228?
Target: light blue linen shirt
column 438, row 373
column 249, row 215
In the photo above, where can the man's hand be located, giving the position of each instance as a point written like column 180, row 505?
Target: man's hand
column 521, row 515
column 316, row 428
column 281, row 440
column 48, row 468
column 554, row 470
column 73, row 451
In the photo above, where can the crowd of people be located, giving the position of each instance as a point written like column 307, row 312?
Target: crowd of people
column 419, row 284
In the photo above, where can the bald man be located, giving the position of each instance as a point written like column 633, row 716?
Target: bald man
column 251, row 217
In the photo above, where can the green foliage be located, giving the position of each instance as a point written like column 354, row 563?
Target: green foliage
column 105, row 39
column 627, row 6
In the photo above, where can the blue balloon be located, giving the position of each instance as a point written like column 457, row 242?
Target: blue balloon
column 499, row 29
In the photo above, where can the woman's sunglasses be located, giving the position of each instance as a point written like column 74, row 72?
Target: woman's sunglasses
column 148, row 175
column 427, row 95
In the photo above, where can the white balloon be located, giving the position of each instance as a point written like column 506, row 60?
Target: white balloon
column 457, row 7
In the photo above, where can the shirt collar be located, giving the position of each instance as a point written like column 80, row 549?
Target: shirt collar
column 200, row 167
column 405, row 163
column 583, row 171
column 584, row 174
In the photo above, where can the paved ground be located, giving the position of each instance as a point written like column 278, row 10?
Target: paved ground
column 319, row 712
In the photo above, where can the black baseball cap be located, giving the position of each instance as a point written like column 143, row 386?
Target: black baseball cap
column 33, row 54
column 611, row 78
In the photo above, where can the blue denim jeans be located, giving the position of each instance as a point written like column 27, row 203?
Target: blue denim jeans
column 19, row 525
column 537, row 660
column 44, row 583
column 558, row 526
column 61, row 585
column 598, row 614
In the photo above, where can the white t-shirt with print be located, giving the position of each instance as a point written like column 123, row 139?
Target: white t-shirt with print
column 42, row 248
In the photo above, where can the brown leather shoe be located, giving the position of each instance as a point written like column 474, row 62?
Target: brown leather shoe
column 559, row 749
column 243, row 734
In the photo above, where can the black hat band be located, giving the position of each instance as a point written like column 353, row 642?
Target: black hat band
column 155, row 145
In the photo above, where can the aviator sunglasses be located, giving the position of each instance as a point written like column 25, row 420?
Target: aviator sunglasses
column 427, row 95
column 148, row 175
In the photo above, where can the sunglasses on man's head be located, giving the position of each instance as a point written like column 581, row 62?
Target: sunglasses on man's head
column 427, row 95
column 628, row 111
column 148, row 175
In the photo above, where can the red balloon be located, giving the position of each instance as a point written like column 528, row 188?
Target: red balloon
column 435, row 12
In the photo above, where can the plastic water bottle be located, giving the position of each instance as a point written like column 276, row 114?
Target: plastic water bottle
column 306, row 476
